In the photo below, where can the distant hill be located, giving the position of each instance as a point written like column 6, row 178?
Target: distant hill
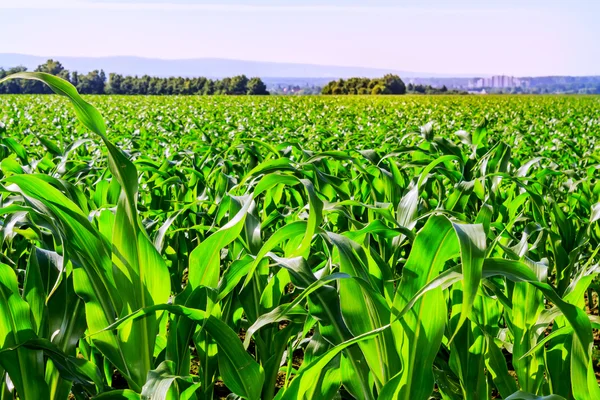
column 208, row 67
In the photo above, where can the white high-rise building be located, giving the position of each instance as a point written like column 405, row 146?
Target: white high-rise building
column 498, row 81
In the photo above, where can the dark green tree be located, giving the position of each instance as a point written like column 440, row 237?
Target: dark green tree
column 328, row 88
column 115, row 81
column 238, row 85
column 394, row 84
column 74, row 78
column 92, row 83
column 12, row 86
column 380, row 88
column 256, row 87
column 50, row 67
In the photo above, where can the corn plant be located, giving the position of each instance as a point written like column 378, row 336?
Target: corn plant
column 311, row 248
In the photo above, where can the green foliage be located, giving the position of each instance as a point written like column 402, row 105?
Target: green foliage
column 255, row 86
column 147, row 85
column 428, row 89
column 95, row 82
column 297, row 248
column 389, row 84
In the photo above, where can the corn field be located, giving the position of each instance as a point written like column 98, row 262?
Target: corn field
column 298, row 248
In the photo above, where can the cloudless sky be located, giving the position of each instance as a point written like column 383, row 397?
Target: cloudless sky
column 440, row 36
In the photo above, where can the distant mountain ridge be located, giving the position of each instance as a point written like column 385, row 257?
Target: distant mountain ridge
column 208, row 67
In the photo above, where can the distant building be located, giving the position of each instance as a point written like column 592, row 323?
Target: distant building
column 498, row 81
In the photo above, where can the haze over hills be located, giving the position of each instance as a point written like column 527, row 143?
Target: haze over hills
column 208, row 67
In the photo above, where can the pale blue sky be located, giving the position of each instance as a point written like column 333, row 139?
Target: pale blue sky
column 456, row 37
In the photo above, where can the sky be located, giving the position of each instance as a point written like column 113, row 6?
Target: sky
column 522, row 38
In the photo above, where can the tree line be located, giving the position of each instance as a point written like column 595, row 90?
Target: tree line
column 389, row 84
column 428, row 89
column 96, row 82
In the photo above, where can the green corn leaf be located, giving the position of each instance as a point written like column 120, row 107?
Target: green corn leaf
column 65, row 318
column 204, row 260
column 314, row 202
column 364, row 309
column 287, row 232
column 125, row 394
column 467, row 350
column 159, row 384
column 239, row 371
column 527, row 396
column 141, row 274
column 496, row 364
column 472, row 252
column 290, row 310
column 70, row 368
column 92, row 275
column 565, row 330
column 306, row 379
column 24, row 366
column 582, row 373
column 324, row 305
column 419, row 333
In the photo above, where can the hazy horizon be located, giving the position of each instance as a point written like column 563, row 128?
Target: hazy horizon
column 465, row 38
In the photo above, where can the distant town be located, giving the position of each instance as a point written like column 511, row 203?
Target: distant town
column 498, row 81
column 513, row 84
